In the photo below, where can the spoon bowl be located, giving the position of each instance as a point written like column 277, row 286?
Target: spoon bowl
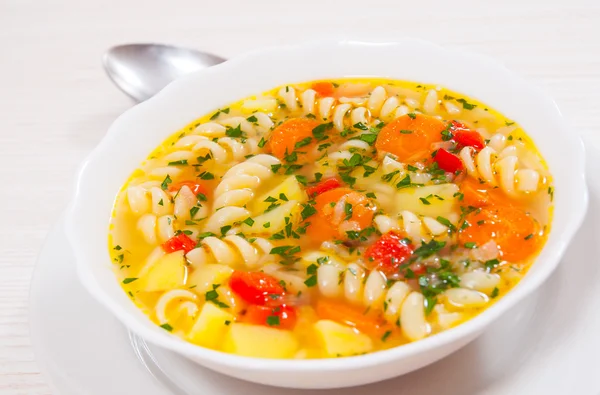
column 142, row 70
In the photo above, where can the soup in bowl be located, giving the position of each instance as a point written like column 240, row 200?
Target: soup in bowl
column 337, row 225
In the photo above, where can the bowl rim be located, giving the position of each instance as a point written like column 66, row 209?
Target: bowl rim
column 473, row 326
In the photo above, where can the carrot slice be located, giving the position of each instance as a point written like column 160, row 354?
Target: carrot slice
column 323, row 89
column 292, row 135
column 477, row 194
column 410, row 136
column 332, row 221
column 515, row 232
column 369, row 322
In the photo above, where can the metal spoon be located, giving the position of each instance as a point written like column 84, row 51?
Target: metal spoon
column 142, row 70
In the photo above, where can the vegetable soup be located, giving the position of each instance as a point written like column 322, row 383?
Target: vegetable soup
column 331, row 219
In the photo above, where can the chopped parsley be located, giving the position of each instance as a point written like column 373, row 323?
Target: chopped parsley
column 386, row 335
column 466, row 105
column 129, row 280
column 165, row 184
column 494, row 293
column 311, row 281
column 167, row 327
column 304, row 142
column 273, row 320
column 178, row 162
column 446, row 222
column 213, row 296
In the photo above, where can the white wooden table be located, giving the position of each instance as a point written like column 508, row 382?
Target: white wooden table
column 56, row 103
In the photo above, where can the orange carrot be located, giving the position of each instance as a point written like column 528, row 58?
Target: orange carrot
column 477, row 194
column 369, row 322
column 327, row 224
column 410, row 137
column 323, row 89
column 293, row 132
column 515, row 232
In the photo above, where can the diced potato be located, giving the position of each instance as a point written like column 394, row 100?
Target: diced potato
column 341, row 340
column 410, row 199
column 205, row 276
column 259, row 105
column 274, row 218
column 170, row 271
column 290, row 187
column 260, row 341
column 210, row 326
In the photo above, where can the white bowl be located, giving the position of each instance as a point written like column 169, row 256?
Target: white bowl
column 138, row 131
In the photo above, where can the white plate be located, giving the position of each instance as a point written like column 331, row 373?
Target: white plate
column 548, row 345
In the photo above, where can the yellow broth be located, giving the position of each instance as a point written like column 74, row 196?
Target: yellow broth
column 235, row 184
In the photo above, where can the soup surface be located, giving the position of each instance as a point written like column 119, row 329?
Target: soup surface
column 331, row 219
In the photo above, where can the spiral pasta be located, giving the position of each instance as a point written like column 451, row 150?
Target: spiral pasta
column 236, row 189
column 342, row 113
column 500, row 169
column 399, row 304
column 416, row 227
column 187, row 301
column 231, row 250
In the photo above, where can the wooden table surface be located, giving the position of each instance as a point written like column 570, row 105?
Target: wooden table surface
column 56, row 102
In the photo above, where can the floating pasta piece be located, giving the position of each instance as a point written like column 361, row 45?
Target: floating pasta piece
column 497, row 142
column 375, row 288
column 164, row 227
column 412, row 317
column 232, row 250
column 139, row 201
column 210, row 129
column 183, row 202
column 329, row 283
column 447, row 319
column 147, row 227
column 307, row 99
column 480, row 280
column 226, row 216
column 175, row 295
column 465, row 298
column 161, row 202
column 431, row 102
column 353, row 283
column 287, row 94
column 434, row 226
column 178, row 156
column 394, row 299
column 527, row 180
column 240, row 122
column 452, row 108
